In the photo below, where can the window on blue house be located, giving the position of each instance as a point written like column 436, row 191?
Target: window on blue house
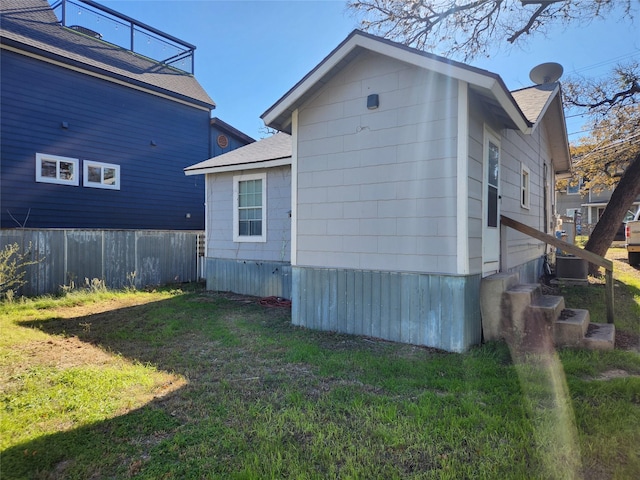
column 56, row 169
column 249, row 208
column 101, row 175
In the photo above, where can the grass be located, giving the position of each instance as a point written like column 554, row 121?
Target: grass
column 190, row 384
column 626, row 296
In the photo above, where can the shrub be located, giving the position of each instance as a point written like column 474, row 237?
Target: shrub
column 12, row 269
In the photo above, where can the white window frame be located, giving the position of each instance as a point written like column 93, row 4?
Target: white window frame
column 579, row 186
column 525, row 186
column 101, row 165
column 236, row 224
column 42, row 157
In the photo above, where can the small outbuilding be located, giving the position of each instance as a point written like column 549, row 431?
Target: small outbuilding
column 394, row 166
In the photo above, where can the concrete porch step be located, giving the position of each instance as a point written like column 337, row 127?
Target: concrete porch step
column 600, row 336
column 571, row 327
column 549, row 306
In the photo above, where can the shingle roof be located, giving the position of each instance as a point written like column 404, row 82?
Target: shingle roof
column 262, row 153
column 533, row 100
column 31, row 25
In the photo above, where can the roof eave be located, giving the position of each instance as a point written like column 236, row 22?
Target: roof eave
column 277, row 162
column 279, row 114
column 103, row 72
column 231, row 130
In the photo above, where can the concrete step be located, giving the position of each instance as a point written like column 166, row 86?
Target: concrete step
column 549, row 306
column 571, row 327
column 491, row 290
column 517, row 301
column 600, row 336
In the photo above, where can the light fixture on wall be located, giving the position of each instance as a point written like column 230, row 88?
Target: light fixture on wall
column 373, row 101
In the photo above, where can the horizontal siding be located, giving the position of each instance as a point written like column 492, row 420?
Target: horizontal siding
column 260, row 279
column 234, row 142
column 65, row 256
column 107, row 123
column 377, row 188
column 220, row 242
column 437, row 311
column 516, row 149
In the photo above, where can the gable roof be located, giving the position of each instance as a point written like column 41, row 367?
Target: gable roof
column 31, row 27
column 522, row 111
column 272, row 151
column 489, row 85
column 535, row 100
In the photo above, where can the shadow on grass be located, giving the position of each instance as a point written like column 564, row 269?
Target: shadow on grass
column 194, row 336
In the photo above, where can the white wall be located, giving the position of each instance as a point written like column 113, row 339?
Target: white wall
column 377, row 188
column 516, row 149
column 220, row 242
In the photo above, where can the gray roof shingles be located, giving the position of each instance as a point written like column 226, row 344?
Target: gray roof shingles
column 32, row 25
column 275, row 147
column 532, row 100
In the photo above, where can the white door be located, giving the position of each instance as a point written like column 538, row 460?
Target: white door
column 491, row 205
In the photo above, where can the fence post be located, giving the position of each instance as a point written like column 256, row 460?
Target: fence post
column 609, row 295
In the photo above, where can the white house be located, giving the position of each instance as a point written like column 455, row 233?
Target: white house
column 382, row 214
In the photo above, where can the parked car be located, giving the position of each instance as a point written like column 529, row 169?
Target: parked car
column 632, row 234
column 620, row 234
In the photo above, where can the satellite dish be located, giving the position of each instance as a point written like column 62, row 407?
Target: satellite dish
column 546, row 73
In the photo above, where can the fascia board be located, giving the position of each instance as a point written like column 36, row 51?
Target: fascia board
column 451, row 69
column 315, row 76
column 96, row 72
column 239, row 167
column 505, row 99
column 546, row 106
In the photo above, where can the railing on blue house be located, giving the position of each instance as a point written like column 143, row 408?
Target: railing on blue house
column 91, row 18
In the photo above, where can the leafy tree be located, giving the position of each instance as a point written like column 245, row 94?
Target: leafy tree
column 610, row 156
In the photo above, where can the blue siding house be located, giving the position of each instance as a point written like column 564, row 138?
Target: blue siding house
column 94, row 135
column 225, row 138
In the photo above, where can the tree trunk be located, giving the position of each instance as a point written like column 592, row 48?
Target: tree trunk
column 622, row 198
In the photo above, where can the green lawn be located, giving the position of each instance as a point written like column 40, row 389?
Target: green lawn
column 189, row 384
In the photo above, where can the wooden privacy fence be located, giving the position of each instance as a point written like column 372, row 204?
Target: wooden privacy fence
column 120, row 258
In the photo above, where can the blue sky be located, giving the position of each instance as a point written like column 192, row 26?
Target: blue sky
column 249, row 53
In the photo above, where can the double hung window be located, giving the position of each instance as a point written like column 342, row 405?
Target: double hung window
column 249, row 208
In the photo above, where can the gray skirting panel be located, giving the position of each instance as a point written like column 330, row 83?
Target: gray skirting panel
column 249, row 277
column 438, row 311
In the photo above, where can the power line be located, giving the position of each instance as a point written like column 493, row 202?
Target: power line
column 606, row 62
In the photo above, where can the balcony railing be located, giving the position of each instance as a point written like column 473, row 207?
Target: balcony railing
column 91, row 18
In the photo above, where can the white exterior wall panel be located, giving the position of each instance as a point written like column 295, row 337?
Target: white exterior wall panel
column 220, row 242
column 377, row 188
column 533, row 152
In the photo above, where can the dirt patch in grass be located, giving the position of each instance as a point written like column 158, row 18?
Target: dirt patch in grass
column 61, row 352
column 613, row 374
column 627, row 340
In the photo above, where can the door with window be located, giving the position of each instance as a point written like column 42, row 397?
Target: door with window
column 491, row 205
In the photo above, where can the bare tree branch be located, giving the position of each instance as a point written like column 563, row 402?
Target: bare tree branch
column 468, row 28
